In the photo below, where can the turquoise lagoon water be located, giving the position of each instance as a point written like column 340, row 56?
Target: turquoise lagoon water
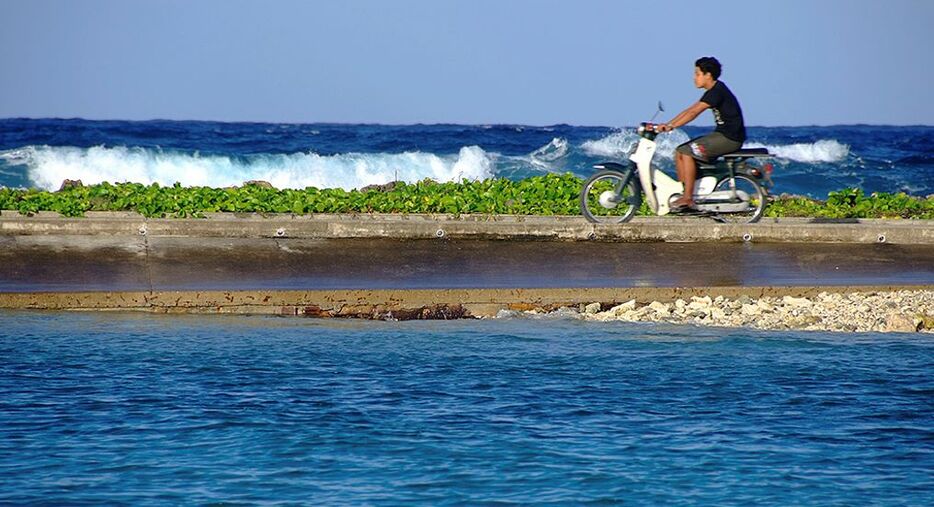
column 105, row 409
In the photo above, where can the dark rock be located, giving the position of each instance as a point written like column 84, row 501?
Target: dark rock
column 316, row 311
column 258, row 183
column 70, row 184
column 433, row 312
column 381, row 188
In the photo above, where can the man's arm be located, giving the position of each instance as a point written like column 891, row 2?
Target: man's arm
column 686, row 116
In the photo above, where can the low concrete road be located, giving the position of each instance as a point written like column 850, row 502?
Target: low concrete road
column 66, row 263
column 381, row 266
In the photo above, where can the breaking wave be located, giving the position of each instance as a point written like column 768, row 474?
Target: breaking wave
column 825, row 151
column 619, row 144
column 48, row 166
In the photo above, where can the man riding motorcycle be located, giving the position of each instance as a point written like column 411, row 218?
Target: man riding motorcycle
column 728, row 136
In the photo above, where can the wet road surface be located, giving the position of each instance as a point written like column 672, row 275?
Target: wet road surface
column 95, row 263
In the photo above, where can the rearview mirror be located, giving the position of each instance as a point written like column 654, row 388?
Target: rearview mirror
column 661, row 109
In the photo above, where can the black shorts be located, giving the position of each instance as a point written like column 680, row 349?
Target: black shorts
column 709, row 147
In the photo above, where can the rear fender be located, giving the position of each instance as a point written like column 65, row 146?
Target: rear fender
column 759, row 174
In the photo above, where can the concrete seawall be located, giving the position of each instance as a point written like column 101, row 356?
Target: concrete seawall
column 417, row 266
column 681, row 229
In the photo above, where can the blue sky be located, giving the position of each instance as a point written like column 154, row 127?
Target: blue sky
column 542, row 62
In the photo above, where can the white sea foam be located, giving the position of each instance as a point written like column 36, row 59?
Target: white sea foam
column 49, row 166
column 825, row 150
column 619, row 144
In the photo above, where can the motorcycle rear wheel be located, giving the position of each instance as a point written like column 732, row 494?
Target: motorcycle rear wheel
column 757, row 200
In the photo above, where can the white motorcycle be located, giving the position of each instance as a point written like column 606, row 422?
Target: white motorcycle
column 729, row 189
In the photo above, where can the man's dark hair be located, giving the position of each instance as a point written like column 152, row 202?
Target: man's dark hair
column 709, row 65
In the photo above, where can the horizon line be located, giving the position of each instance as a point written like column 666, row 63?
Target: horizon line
column 351, row 123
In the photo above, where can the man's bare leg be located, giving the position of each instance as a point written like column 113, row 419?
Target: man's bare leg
column 678, row 165
column 687, row 173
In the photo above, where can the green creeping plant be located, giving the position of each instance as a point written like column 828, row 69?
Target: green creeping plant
column 550, row 194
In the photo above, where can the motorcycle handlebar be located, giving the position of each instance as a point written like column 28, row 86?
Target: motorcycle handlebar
column 652, row 127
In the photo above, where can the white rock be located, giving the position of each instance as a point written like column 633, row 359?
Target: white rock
column 899, row 323
column 743, row 300
column 660, row 308
column 628, row 306
column 717, row 314
column 601, row 317
column 697, row 306
column 793, row 301
column 706, row 301
column 884, row 311
column 633, row 315
column 751, row 310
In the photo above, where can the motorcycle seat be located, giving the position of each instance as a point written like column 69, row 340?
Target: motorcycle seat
column 748, row 153
column 734, row 156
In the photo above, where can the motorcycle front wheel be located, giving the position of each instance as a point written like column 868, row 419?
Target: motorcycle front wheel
column 605, row 200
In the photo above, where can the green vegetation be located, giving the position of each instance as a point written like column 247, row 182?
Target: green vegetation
column 541, row 195
column 853, row 203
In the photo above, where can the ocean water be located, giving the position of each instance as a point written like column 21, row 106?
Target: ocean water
column 810, row 160
column 103, row 409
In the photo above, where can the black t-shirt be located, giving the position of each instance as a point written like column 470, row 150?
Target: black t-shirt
column 726, row 112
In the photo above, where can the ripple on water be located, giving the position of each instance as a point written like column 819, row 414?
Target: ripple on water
column 159, row 409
